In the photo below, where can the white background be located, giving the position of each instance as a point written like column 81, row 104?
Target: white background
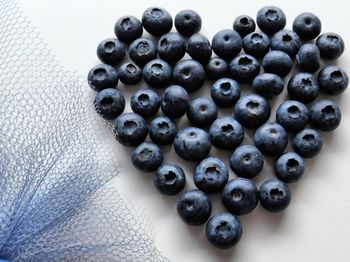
column 315, row 227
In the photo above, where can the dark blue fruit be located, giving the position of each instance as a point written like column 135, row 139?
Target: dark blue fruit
column 188, row 22
column 244, row 25
column 331, row 45
column 325, row 115
column 303, row 87
column 277, row 62
column 308, row 58
column 333, row 80
column 307, row 26
column 292, row 115
column 189, row 74
column 271, row 19
column 227, row 44
column 147, row 157
column 307, row 143
column 169, row 179
column 199, row 48
column 111, row 51
column 102, row 76
column 225, row 92
column 202, row 112
column 268, row 85
column 157, row 21
column 286, row 41
column 216, row 68
column 244, row 68
column 129, row 73
column 171, row 47
column 289, row 167
column 157, row 73
column 162, row 130
column 256, row 44
column 145, row 102
column 142, row 50
column 130, row 129
column 274, row 195
column 109, row 103
column 128, row 28
column 175, row 101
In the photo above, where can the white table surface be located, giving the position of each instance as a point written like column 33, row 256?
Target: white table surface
column 315, row 227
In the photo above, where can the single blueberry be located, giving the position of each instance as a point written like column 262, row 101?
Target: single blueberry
column 142, row 50
column 271, row 19
column 171, row 47
column 227, row 44
column 289, row 167
column 308, row 58
column 162, row 130
column 199, row 48
column 194, row 207
column 246, row 161
column 175, row 101
column 188, row 22
column 274, row 195
column 307, row 143
column 129, row 73
column 244, row 68
column 244, row 25
column 226, row 133
column 192, row 144
column 331, row 45
column 109, row 103
column 256, row 44
column 307, row 26
column 225, row 92
column 202, row 112
column 157, row 21
column 130, row 129
column 303, row 87
column 128, row 28
column 169, row 179
column 325, row 115
column 268, row 85
column 157, row 73
column 252, row 110
column 277, row 62
column 223, row 230
column 189, row 74
column 102, row 76
column 147, row 157
column 216, row 68
column 292, row 115
column 145, row 102
column 210, row 175
column 333, row 80
column 111, row 51
column 286, row 41
column 240, row 196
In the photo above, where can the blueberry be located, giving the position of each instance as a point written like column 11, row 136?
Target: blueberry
column 102, row 76
column 274, row 195
column 171, row 47
column 192, row 144
column 169, row 179
column 210, row 175
column 256, row 44
column 216, row 68
column 227, row 44
column 189, row 74
column 226, row 133
column 157, row 21
column 111, row 51
column 194, row 207
column 244, row 25
column 244, row 68
column 325, row 115
column 271, row 139
column 145, row 102
column 246, row 161
column 129, row 73
column 240, row 196
column 303, row 87
column 308, row 58
column 175, row 101
column 202, row 112
column 289, row 167
column 252, row 110
column 277, row 62
column 307, row 143
column 333, row 80
column 142, row 50
column 286, row 41
column 130, row 129
column 109, row 103
column 147, row 157
column 162, row 130
column 128, row 28
column 188, row 22
column 199, row 48
column 292, row 115
column 225, row 92
column 223, row 230
column 268, row 85
column 307, row 26
column 331, row 45
column 157, row 73
column 271, row 19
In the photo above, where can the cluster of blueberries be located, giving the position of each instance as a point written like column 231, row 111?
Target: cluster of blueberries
column 277, row 49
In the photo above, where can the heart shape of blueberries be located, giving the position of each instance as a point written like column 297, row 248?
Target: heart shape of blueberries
column 172, row 78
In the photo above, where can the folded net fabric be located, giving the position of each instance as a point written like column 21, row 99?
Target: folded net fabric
column 56, row 202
